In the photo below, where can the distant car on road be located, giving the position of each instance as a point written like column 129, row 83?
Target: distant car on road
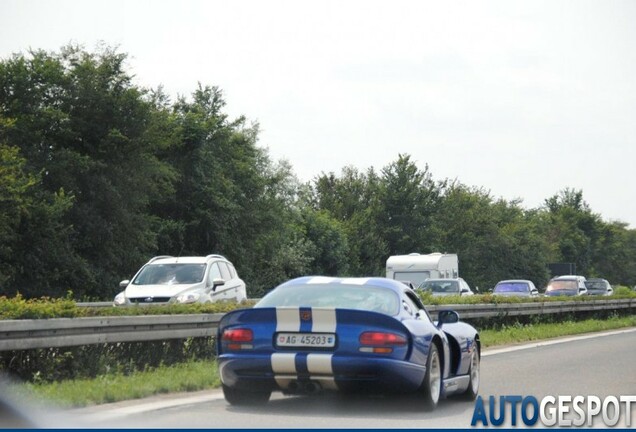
column 569, row 285
column 516, row 288
column 167, row 279
column 446, row 287
column 597, row 286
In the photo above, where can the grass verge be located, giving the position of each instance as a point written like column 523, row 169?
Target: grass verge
column 190, row 376
column 532, row 332
column 200, row 375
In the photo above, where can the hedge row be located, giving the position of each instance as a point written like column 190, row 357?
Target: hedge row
column 19, row 308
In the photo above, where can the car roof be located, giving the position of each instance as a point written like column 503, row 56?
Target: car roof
column 514, row 281
column 569, row 277
column 185, row 259
column 362, row 281
column 442, row 279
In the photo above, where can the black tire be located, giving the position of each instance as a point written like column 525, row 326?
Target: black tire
column 432, row 385
column 474, row 373
column 244, row 397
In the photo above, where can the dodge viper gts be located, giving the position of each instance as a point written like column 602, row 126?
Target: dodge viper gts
column 319, row 333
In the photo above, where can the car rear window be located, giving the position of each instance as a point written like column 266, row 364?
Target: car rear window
column 596, row 285
column 512, row 287
column 344, row 296
column 562, row 285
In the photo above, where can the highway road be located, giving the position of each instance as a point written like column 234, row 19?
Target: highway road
column 601, row 365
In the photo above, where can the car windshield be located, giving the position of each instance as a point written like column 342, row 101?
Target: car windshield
column 344, row 296
column 562, row 285
column 170, row 274
column 512, row 287
column 440, row 286
column 596, row 285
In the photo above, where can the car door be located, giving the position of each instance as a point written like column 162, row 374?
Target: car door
column 217, row 292
column 229, row 290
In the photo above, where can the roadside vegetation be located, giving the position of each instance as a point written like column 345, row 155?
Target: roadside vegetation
column 200, row 375
column 40, row 308
column 518, row 333
column 184, row 377
column 98, row 174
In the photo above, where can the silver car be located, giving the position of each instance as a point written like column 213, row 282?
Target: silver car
column 167, row 279
column 597, row 286
column 446, row 287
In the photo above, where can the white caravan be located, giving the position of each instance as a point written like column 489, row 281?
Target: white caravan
column 416, row 268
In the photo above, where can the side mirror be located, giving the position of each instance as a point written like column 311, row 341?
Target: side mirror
column 216, row 283
column 464, row 290
column 581, row 289
column 123, row 284
column 447, row 317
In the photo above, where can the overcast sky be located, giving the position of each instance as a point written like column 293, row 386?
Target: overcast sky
column 522, row 98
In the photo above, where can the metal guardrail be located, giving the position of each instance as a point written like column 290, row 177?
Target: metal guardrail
column 469, row 311
column 62, row 332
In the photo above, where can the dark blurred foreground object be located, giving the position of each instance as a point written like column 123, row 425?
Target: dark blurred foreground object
column 11, row 416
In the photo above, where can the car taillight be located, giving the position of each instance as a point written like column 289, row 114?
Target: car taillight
column 238, row 335
column 236, row 338
column 380, row 342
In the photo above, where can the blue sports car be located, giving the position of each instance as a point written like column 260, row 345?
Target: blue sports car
column 345, row 334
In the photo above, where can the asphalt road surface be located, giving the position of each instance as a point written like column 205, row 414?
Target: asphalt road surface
column 601, row 365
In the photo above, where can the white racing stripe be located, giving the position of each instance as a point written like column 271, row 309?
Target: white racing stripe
column 320, row 280
column 328, row 383
column 319, row 364
column 284, row 363
column 355, row 281
column 323, row 320
column 287, row 319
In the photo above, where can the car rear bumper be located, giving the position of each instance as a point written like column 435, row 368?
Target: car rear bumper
column 299, row 372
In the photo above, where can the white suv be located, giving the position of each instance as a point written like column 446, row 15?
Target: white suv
column 167, row 279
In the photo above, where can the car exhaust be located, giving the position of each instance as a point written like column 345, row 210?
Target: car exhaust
column 308, row 387
column 311, row 387
column 293, row 387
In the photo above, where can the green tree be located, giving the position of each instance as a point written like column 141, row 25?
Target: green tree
column 573, row 229
column 494, row 239
column 408, row 198
column 80, row 122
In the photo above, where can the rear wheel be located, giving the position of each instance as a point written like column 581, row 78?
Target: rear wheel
column 243, row 397
column 474, row 374
column 432, row 385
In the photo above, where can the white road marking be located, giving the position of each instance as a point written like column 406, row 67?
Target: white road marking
column 153, row 406
column 495, row 351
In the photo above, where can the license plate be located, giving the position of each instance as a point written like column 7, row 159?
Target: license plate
column 319, row 340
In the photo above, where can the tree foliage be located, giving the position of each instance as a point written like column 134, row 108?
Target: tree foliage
column 98, row 174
